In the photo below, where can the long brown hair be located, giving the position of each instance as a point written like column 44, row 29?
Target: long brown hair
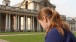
column 55, row 19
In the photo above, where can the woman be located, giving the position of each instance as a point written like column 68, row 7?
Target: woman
column 56, row 29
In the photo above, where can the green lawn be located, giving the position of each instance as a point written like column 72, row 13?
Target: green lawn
column 24, row 38
column 7, row 33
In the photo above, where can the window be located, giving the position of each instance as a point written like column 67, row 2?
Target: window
column 6, row 4
column 45, row 4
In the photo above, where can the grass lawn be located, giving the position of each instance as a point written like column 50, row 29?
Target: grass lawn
column 24, row 38
column 7, row 33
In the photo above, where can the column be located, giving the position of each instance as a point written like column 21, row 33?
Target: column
column 33, row 25
column 16, row 23
column 70, row 26
column 38, row 26
column 18, row 29
column 7, row 23
column 24, row 23
column 0, row 22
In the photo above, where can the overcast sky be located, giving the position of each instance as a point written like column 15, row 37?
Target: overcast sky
column 64, row 7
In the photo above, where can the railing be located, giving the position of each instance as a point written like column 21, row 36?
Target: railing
column 16, row 9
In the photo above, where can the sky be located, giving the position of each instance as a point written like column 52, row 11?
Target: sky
column 64, row 7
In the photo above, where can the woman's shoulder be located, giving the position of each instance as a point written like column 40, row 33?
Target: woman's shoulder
column 54, row 31
column 53, row 36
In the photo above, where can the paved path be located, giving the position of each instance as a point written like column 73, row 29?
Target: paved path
column 1, row 40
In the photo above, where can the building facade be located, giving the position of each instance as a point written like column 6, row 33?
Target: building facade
column 21, row 17
column 72, row 23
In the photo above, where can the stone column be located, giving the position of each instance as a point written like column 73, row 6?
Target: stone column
column 18, row 29
column 24, row 23
column 16, row 23
column 33, row 29
column 70, row 26
column 0, row 23
column 31, row 23
column 38, row 26
column 7, row 23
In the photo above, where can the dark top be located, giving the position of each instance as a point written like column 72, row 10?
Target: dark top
column 55, row 36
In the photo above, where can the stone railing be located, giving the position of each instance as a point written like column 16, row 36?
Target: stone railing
column 16, row 9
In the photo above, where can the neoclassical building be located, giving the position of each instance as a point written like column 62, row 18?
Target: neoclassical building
column 72, row 23
column 22, row 16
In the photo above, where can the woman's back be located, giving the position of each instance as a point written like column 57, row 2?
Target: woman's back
column 55, row 36
column 68, row 37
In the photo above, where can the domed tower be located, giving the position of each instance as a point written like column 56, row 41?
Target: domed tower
column 6, row 2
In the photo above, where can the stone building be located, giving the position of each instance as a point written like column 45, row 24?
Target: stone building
column 11, row 16
column 72, row 23
column 34, row 5
column 22, row 16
